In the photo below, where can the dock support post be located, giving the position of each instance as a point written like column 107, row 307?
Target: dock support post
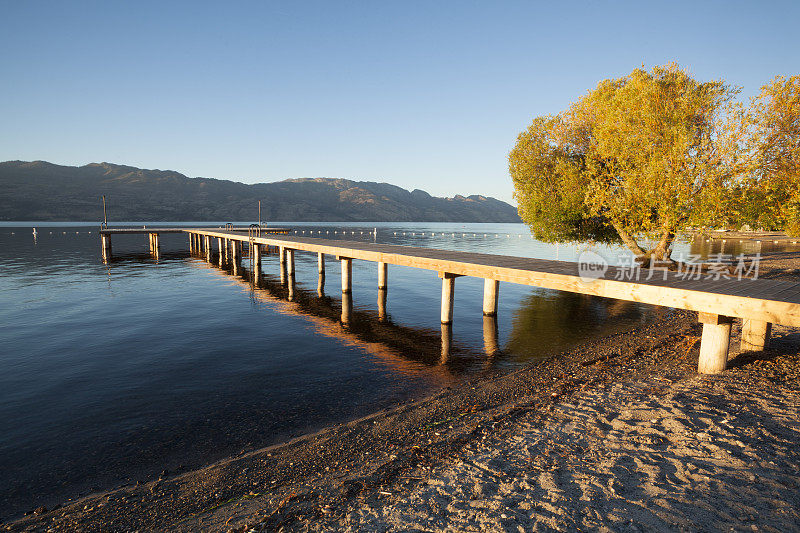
column 150, row 239
column 382, row 297
column 321, row 263
column 321, row 285
column 105, row 246
column 448, row 296
column 347, row 275
column 207, row 246
column 491, row 288
column 490, row 343
column 234, row 251
column 290, row 262
column 447, row 342
column 383, row 276
column 714, row 343
column 347, row 308
column 291, row 287
column 191, row 243
column 256, row 258
column 156, row 245
column 755, row 335
column 221, row 249
column 282, row 264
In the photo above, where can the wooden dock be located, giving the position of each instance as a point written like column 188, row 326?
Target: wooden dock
column 154, row 232
column 758, row 302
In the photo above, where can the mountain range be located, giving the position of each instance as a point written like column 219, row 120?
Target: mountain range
column 39, row 190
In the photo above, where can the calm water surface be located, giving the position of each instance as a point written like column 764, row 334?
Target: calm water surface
column 113, row 373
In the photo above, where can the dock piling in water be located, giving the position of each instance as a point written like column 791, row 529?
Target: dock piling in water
column 105, row 246
column 347, row 275
column 490, row 335
column 290, row 262
column 255, row 258
column 383, row 275
column 347, row 308
column 448, row 296
column 491, row 288
column 382, row 297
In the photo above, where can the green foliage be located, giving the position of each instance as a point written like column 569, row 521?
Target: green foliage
column 552, row 203
column 769, row 196
column 642, row 156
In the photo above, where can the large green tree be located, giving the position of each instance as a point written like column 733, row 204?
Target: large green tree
column 768, row 196
column 635, row 160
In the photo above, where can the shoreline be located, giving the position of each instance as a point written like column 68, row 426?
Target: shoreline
column 330, row 476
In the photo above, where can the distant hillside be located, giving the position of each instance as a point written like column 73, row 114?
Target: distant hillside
column 43, row 191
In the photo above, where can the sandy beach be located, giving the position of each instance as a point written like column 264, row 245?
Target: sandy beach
column 618, row 434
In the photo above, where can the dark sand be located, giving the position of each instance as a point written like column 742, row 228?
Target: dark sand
column 617, row 434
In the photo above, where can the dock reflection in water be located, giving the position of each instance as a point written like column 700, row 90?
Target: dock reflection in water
column 545, row 323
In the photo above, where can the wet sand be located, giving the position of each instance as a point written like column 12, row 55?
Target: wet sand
column 617, row 434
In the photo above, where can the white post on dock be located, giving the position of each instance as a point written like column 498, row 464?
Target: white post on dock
column 491, row 288
column 256, row 258
column 105, row 246
column 448, row 296
column 715, row 343
column 447, row 342
column 321, row 285
column 347, row 275
column 347, row 308
column 382, row 297
column 290, row 262
column 234, row 251
column 383, row 275
column 490, row 343
column 755, row 335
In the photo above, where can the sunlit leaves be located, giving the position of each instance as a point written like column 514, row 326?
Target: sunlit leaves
column 641, row 156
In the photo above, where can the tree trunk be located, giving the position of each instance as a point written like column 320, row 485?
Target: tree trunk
column 630, row 242
column 663, row 250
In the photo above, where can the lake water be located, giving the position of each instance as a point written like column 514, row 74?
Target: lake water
column 111, row 373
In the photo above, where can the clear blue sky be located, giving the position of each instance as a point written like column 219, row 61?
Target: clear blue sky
column 427, row 95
